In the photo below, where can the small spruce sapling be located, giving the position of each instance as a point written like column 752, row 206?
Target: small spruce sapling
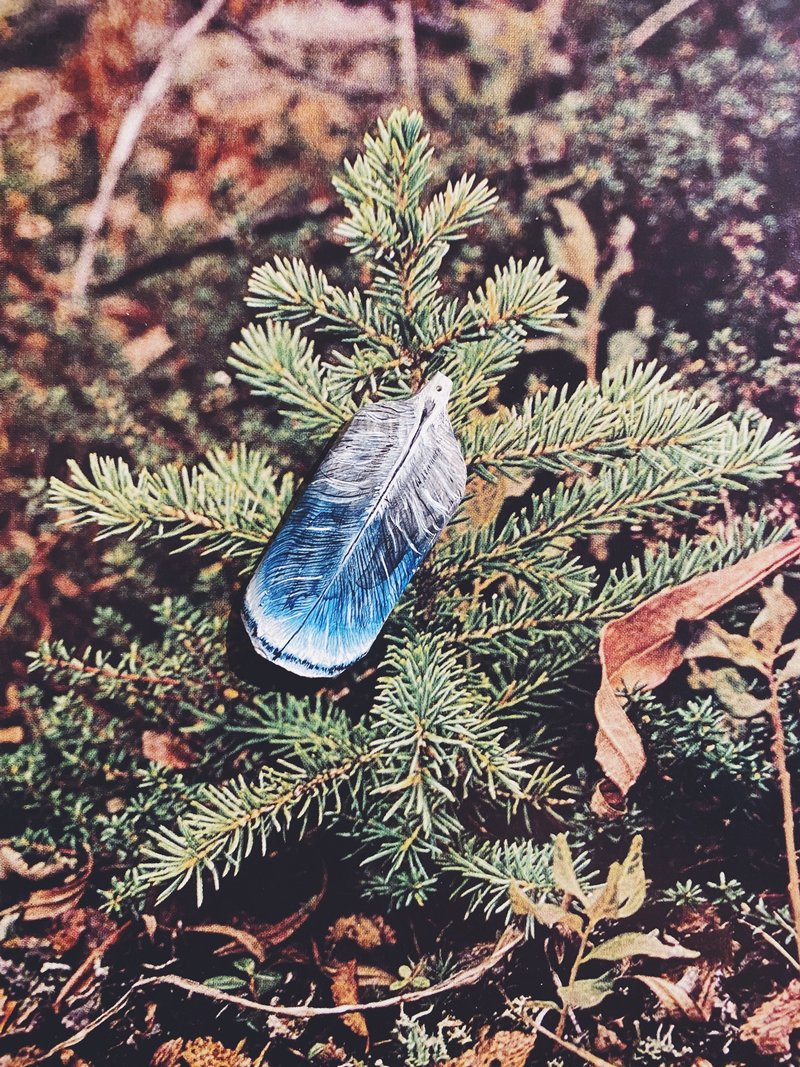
column 478, row 651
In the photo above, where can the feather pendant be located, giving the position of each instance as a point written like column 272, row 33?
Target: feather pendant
column 341, row 559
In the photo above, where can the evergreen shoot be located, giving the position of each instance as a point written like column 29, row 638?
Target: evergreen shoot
column 465, row 726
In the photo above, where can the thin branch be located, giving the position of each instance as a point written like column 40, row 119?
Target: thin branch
column 655, row 22
column 407, row 60
column 127, row 135
column 508, row 941
column 11, row 593
column 274, row 55
column 785, row 786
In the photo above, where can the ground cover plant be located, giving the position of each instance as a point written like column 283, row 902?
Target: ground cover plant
column 419, row 832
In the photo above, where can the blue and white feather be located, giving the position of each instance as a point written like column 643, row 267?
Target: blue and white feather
column 340, row 561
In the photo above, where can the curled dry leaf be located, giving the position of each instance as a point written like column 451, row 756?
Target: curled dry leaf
column 771, row 1024
column 56, row 900
column 14, row 863
column 693, row 996
column 676, row 1001
column 245, row 940
column 344, row 990
column 641, row 650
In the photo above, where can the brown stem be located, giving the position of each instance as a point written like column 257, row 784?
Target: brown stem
column 654, row 23
column 573, row 974
column 127, row 135
column 785, row 786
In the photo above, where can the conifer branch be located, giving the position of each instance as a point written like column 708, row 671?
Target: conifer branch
column 228, row 504
column 277, row 361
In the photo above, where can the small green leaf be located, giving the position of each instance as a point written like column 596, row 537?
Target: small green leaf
column 227, row 983
column 632, row 884
column 267, row 981
column 564, row 869
column 542, row 912
column 588, row 992
column 552, row 915
column 624, row 946
column 602, row 904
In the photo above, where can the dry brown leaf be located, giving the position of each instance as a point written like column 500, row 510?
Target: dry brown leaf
column 770, row 624
column 367, row 931
column 575, row 250
column 147, row 348
column 166, row 750
column 248, row 942
column 641, row 650
column 7, row 1007
column 199, row 1052
column 673, row 998
column 278, row 932
column 510, row 1048
column 12, row 863
column 11, row 735
column 771, row 1025
column 344, row 990
column 52, row 902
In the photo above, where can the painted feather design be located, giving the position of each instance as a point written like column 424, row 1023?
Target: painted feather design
column 341, row 559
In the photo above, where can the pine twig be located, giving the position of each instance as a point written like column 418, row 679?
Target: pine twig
column 127, row 135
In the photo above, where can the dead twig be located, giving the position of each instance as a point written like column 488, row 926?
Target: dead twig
column 655, row 22
column 407, row 61
column 11, row 594
column 127, row 135
column 273, row 55
column 507, row 942
column 785, row 787
column 75, row 981
column 265, row 223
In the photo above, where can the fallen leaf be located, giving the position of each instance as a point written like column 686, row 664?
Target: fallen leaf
column 344, row 990
column 278, row 932
column 250, row 944
column 769, row 625
column 366, row 931
column 575, row 250
column 13, row 863
column 641, row 650
column 675, row 1000
column 772, row 1023
column 11, row 735
column 166, row 750
column 56, row 900
column 511, row 1048
column 7, row 1007
column 147, row 348
column 199, row 1052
